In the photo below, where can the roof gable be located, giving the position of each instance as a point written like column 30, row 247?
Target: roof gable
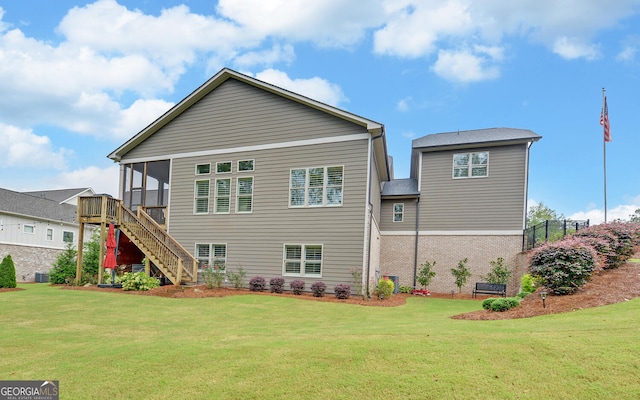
column 225, row 74
column 33, row 206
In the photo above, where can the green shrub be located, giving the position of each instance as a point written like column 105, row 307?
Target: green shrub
column 513, row 302
column 486, row 303
column 385, row 288
column 64, row 269
column 7, row 273
column 528, row 283
column 237, row 278
column 405, row 289
column 138, row 281
column 500, row 273
column 500, row 305
column 213, row 276
column 426, row 273
column 461, row 274
column 522, row 295
column 563, row 267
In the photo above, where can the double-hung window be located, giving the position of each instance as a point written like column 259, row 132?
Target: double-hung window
column 302, row 260
column 398, row 212
column 316, row 187
column 222, row 196
column 244, row 196
column 67, row 237
column 209, row 255
column 49, row 235
column 471, row 165
column 201, row 197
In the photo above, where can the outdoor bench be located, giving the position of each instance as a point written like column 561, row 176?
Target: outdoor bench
column 490, row 288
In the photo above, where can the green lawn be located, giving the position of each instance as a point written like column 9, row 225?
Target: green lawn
column 106, row 345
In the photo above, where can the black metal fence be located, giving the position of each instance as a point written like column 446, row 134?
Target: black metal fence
column 550, row 231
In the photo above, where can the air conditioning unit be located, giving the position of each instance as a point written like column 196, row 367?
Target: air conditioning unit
column 42, row 277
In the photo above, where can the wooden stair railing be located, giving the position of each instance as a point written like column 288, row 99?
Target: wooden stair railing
column 158, row 246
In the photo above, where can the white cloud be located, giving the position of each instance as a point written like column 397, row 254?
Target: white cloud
column 271, row 56
column 596, row 216
column 464, row 66
column 141, row 113
column 403, row 104
column 627, row 54
column 101, row 180
column 316, row 88
column 571, row 49
column 23, row 148
column 409, row 135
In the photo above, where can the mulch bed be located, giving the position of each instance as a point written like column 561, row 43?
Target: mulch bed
column 606, row 287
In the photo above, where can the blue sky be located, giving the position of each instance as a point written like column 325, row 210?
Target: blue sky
column 78, row 78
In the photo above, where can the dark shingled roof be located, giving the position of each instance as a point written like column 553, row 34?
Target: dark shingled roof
column 33, row 206
column 477, row 136
column 400, row 187
column 59, row 195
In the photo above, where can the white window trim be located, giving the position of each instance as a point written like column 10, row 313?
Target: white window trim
column 196, row 197
column 393, row 217
column 203, row 173
column 238, row 195
column 225, row 162
column 469, row 166
column 211, row 258
column 32, row 226
column 324, row 188
column 46, row 236
column 253, row 164
column 302, row 260
column 216, row 196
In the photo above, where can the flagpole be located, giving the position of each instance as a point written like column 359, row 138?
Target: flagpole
column 604, row 147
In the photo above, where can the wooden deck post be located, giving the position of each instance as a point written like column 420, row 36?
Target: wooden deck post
column 179, row 277
column 79, row 257
column 147, row 266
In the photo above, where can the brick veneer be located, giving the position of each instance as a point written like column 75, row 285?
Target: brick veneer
column 28, row 260
column 397, row 258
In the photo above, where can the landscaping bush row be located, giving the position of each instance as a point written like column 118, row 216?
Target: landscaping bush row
column 565, row 266
column 297, row 286
column 500, row 304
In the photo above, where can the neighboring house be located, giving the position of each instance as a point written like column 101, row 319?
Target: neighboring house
column 35, row 229
column 466, row 198
column 245, row 174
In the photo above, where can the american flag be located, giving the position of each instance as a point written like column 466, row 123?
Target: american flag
column 604, row 121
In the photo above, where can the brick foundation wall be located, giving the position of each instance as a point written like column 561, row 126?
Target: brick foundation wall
column 397, row 258
column 29, row 260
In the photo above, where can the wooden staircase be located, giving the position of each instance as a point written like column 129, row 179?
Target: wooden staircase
column 160, row 248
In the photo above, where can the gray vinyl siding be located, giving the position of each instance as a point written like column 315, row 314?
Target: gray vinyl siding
column 255, row 241
column 375, row 189
column 409, row 221
column 492, row 203
column 237, row 114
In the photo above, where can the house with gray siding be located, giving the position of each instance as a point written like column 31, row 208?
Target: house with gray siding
column 244, row 174
column 35, row 227
column 466, row 198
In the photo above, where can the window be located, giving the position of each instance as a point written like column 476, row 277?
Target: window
column 203, row 255
column 302, row 260
column 203, row 169
column 398, row 212
column 245, row 195
column 316, row 187
column 201, row 202
column 245, row 165
column 49, row 234
column 220, row 256
column 471, row 165
column 204, row 251
column 27, row 228
column 223, row 167
column 222, row 196
column 67, row 237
